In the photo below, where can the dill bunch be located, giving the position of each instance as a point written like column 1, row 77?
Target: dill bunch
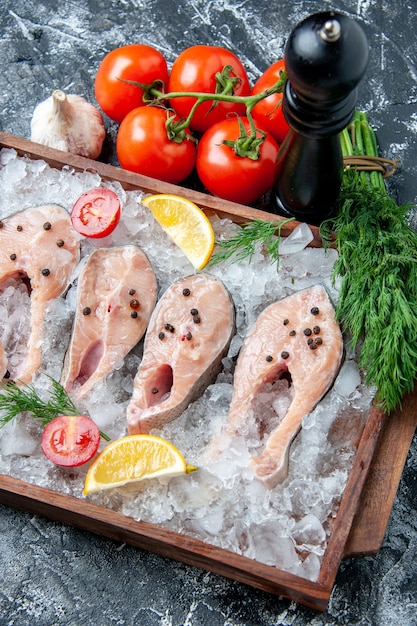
column 377, row 264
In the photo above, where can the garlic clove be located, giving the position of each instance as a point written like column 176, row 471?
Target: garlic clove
column 69, row 123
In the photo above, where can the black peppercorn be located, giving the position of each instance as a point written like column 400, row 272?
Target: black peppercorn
column 194, row 311
column 269, row 358
column 315, row 310
column 286, row 321
column 186, row 292
column 313, row 346
column 132, row 292
column 46, row 272
column 60, row 243
column 170, row 328
column 319, row 341
column 309, row 341
column 13, row 257
column 316, row 330
column 292, row 333
column 285, row 355
column 86, row 310
column 196, row 319
column 134, row 314
column 161, row 335
column 307, row 332
column 154, row 390
column 47, row 226
column 188, row 336
column 19, row 228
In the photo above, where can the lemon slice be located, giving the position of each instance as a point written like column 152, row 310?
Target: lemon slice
column 186, row 224
column 134, row 458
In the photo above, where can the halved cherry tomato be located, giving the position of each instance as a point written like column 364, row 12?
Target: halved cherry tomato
column 269, row 110
column 136, row 62
column 96, row 213
column 70, row 440
column 143, row 146
column 195, row 69
column 233, row 177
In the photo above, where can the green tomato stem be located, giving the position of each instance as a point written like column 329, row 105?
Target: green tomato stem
column 248, row 101
column 247, row 144
column 250, row 143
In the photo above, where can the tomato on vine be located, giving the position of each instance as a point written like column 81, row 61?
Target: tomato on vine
column 135, row 62
column 269, row 110
column 225, row 174
column 195, row 70
column 143, row 146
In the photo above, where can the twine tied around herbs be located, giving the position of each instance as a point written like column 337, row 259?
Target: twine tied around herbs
column 387, row 167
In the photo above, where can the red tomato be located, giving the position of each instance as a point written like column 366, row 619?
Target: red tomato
column 195, row 69
column 269, row 110
column 70, row 440
column 137, row 62
column 143, row 146
column 96, row 213
column 232, row 177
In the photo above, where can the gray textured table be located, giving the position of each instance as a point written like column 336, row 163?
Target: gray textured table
column 52, row 574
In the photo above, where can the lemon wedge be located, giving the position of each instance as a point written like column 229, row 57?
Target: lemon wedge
column 134, row 458
column 186, row 224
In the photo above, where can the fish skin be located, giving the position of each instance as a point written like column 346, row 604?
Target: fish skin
column 101, row 340
column 3, row 362
column 181, row 368
column 311, row 375
column 36, row 249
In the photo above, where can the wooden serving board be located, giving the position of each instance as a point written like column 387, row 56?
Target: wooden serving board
column 367, row 501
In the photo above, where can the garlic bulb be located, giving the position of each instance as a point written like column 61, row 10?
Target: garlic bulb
column 68, row 123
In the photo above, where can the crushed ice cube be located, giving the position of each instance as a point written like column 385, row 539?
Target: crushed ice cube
column 348, row 380
column 271, row 547
column 17, row 438
column 299, row 239
column 309, row 534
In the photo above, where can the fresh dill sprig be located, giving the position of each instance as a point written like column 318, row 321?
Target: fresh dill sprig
column 15, row 399
column 377, row 263
column 243, row 244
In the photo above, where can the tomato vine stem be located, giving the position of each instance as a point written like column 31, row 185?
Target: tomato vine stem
column 247, row 144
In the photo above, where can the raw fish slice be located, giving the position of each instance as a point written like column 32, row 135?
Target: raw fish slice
column 3, row 362
column 40, row 246
column 117, row 292
column 188, row 335
column 297, row 336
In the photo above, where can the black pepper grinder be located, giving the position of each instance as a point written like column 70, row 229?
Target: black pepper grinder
column 325, row 57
